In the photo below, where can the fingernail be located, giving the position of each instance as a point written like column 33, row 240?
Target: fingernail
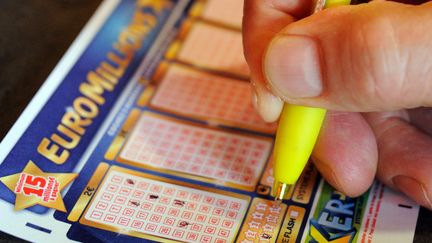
column 414, row 189
column 292, row 66
column 268, row 105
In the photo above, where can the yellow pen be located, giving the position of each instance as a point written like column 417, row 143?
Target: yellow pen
column 297, row 133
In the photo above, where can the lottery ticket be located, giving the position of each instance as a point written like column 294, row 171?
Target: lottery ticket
column 215, row 155
column 145, row 131
column 142, row 207
column 210, row 97
column 214, row 48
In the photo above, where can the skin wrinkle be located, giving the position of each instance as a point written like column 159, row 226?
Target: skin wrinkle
column 353, row 40
column 418, row 63
column 374, row 89
column 387, row 127
column 404, row 61
column 367, row 31
column 365, row 60
column 393, row 70
column 404, row 68
column 357, row 33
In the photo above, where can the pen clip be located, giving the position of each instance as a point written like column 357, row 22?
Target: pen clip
column 318, row 5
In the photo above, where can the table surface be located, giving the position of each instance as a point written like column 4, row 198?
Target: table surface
column 34, row 35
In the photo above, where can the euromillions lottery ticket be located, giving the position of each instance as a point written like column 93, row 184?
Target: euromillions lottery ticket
column 145, row 131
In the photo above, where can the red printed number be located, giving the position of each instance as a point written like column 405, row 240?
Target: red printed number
column 34, row 182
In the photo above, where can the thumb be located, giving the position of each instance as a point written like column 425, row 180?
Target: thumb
column 368, row 57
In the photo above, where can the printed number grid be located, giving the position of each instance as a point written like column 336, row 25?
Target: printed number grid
column 220, row 155
column 262, row 222
column 229, row 12
column 214, row 48
column 189, row 92
column 133, row 203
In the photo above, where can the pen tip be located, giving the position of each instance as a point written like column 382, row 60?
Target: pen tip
column 280, row 190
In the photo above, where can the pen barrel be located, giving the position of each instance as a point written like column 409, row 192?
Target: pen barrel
column 298, row 131
column 334, row 3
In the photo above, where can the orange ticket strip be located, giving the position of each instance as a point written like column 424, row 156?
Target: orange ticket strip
column 164, row 210
column 196, row 94
column 224, row 12
column 262, row 222
column 88, row 192
column 212, row 47
column 267, row 178
column 145, row 96
column 304, row 186
column 121, row 137
column 291, row 226
column 188, row 150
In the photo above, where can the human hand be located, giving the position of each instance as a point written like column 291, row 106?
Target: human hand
column 369, row 64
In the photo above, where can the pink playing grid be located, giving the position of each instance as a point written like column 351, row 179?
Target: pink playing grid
column 215, row 48
column 189, row 92
column 133, row 203
column 220, row 155
column 228, row 12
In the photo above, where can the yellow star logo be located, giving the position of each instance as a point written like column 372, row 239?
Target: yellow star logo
column 33, row 186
